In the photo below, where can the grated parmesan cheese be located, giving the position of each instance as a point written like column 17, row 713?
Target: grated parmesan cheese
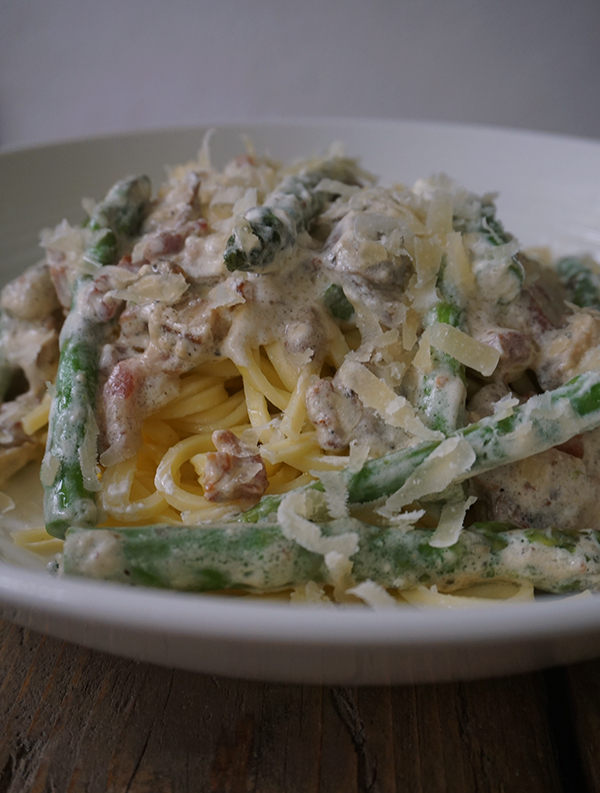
column 167, row 288
column 359, row 454
column 335, row 187
column 422, row 360
column 505, row 407
column 374, row 393
column 339, row 567
column 296, row 527
column 49, row 469
column 403, row 521
column 243, row 231
column 335, row 492
column 372, row 594
column 451, row 523
column 310, row 592
column 458, row 272
column 467, row 350
column 439, row 213
column 410, row 329
column 226, row 293
column 367, row 322
column 443, row 466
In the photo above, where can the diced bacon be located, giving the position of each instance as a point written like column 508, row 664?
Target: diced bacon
column 163, row 243
column 170, row 242
column 517, row 351
column 233, row 472
column 322, row 404
column 103, row 306
column 306, row 336
column 574, row 446
column 134, row 389
column 188, row 333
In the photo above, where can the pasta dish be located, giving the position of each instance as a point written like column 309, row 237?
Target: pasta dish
column 293, row 379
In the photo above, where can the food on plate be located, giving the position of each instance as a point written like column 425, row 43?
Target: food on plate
column 291, row 378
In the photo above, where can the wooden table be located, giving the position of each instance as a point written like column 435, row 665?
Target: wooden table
column 78, row 720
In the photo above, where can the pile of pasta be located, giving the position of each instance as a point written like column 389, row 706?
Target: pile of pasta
column 254, row 387
column 163, row 482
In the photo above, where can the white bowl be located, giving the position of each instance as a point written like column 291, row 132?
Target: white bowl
column 549, row 195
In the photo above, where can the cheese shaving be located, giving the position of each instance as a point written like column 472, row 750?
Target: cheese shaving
column 451, row 523
column 428, row 257
column 38, row 417
column 163, row 288
column 310, row 593
column 367, row 322
column 458, row 272
column 49, row 469
column 225, row 293
column 505, row 407
column 422, row 360
column 296, row 527
column 336, row 492
column 359, row 454
column 374, row 393
column 403, row 521
column 443, row 466
column 333, row 186
column 376, row 345
column 467, row 350
column 372, row 594
column 243, row 231
column 410, row 329
column 339, row 567
column 439, row 213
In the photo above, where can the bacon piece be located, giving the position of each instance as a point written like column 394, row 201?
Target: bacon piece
column 134, row 389
column 517, row 351
column 233, row 472
column 323, row 405
column 574, row 446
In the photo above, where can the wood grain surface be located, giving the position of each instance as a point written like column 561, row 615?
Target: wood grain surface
column 77, row 720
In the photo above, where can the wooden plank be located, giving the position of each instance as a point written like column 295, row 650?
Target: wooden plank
column 583, row 712
column 76, row 720
column 288, row 743
column 484, row 735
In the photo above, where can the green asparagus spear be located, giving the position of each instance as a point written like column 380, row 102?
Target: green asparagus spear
column 118, row 218
column 286, row 212
column 581, row 281
column 68, row 472
column 482, row 220
column 260, row 558
column 441, row 393
column 500, row 278
column 7, row 369
column 337, row 303
column 542, row 422
column 491, row 227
